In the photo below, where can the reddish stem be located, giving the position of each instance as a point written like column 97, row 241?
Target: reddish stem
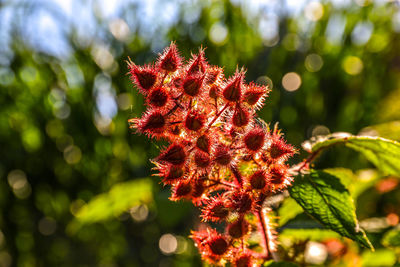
column 264, row 236
column 217, row 116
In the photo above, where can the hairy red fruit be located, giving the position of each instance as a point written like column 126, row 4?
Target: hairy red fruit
column 254, row 139
column 233, row 88
column 174, row 154
column 238, row 228
column 172, row 174
column 278, row 174
column 202, row 159
column 254, row 94
column 214, row 91
column 280, row 149
column 144, row 77
column 192, row 84
column 203, row 143
column 222, row 155
column 241, row 202
column 170, row 60
column 182, row 190
column 243, row 260
column 197, row 64
column 157, row 97
column 240, row 117
column 213, row 75
column 258, row 180
column 214, row 141
column 212, row 245
column 152, row 123
column 215, row 210
column 218, row 245
column 194, row 121
column 198, row 190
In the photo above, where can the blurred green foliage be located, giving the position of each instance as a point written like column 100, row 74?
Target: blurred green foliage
column 64, row 136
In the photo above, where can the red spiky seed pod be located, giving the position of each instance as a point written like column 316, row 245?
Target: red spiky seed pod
column 157, row 97
column 144, row 77
column 192, row 85
column 258, row 180
column 238, row 228
column 213, row 75
column 214, row 91
column 172, row 174
column 175, row 154
column 152, row 123
column 279, row 149
column 203, row 143
column 233, row 88
column 215, row 210
column 255, row 94
column 169, row 60
column 254, row 139
column 194, row 121
column 212, row 245
column 201, row 159
column 181, row 190
column 240, row 117
column 279, row 175
column 199, row 188
column 218, row 245
column 197, row 64
column 243, row 259
column 222, row 155
column 241, row 202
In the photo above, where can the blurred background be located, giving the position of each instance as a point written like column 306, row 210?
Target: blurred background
column 65, row 100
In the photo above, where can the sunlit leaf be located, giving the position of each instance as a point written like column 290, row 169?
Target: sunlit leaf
column 308, row 234
column 390, row 130
column 280, row 264
column 120, row 198
column 383, row 153
column 288, row 210
column 392, row 238
column 324, row 197
column 381, row 257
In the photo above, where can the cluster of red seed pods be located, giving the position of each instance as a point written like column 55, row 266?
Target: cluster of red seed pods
column 220, row 155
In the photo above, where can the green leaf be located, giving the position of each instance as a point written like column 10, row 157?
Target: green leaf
column 392, row 238
column 288, row 210
column 390, row 130
column 381, row 257
column 308, row 234
column 383, row 153
column 280, row 264
column 324, row 197
column 120, row 198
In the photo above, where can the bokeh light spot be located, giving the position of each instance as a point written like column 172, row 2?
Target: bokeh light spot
column 119, row 29
column 72, row 154
column 218, row 33
column 315, row 253
column 320, row 130
column 47, row 226
column 19, row 184
column 139, row 213
column 168, row 244
column 313, row 62
column 352, row 65
column 314, row 11
column 291, row 81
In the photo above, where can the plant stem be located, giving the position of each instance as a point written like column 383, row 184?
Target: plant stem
column 217, row 116
column 264, row 235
